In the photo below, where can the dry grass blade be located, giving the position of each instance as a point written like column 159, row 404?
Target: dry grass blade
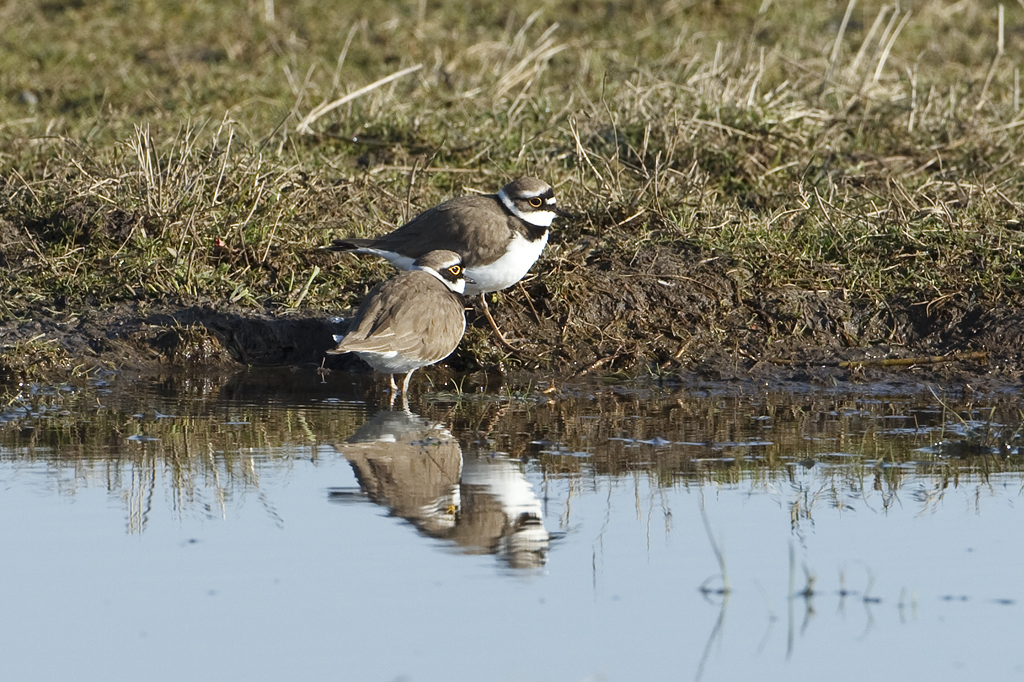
column 838, row 44
column 888, row 45
column 868, row 40
column 327, row 107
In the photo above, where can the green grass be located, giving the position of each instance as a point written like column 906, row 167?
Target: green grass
column 155, row 151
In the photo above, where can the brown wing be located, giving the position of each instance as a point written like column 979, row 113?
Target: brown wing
column 479, row 223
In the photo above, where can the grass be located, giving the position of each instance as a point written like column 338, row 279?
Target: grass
column 187, row 150
column 34, row 356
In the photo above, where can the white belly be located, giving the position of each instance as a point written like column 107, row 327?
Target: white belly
column 391, row 362
column 507, row 270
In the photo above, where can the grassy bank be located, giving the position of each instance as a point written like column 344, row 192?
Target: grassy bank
column 181, row 152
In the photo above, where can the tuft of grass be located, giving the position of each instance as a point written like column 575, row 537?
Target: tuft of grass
column 34, row 358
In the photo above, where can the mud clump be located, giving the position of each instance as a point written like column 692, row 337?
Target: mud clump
column 670, row 310
column 84, row 221
column 14, row 244
column 601, row 308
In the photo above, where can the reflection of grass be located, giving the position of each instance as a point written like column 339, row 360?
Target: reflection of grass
column 200, row 456
column 815, row 450
column 719, row 557
column 838, row 452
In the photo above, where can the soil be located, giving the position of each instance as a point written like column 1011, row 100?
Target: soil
column 666, row 312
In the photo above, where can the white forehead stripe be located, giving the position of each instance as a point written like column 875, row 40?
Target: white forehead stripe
column 508, row 203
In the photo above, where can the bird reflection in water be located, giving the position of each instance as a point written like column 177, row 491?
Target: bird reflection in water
column 415, row 468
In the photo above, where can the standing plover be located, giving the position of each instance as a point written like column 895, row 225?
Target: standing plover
column 412, row 320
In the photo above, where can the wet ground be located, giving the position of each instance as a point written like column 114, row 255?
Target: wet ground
column 271, row 524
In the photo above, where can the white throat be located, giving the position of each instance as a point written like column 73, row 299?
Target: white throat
column 537, row 218
column 507, row 270
column 458, row 286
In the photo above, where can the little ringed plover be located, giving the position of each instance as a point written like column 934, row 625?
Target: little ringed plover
column 412, row 320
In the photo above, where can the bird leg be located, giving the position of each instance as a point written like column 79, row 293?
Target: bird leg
column 394, row 390
column 494, row 325
column 405, row 392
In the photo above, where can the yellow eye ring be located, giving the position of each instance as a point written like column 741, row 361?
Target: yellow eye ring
column 455, row 270
column 536, row 202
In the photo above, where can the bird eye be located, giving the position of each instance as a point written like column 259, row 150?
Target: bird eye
column 536, row 202
column 455, row 270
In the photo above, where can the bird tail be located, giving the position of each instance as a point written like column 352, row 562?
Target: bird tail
column 338, row 351
column 347, row 244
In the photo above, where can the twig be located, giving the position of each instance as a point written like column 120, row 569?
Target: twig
column 905, row 362
column 305, row 289
column 635, row 215
column 602, row 361
column 888, row 362
column 405, row 169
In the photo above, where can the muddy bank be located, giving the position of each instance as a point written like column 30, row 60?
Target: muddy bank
column 668, row 312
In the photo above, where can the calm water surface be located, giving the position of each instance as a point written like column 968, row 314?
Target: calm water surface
column 279, row 525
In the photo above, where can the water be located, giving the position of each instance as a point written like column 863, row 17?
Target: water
column 276, row 525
